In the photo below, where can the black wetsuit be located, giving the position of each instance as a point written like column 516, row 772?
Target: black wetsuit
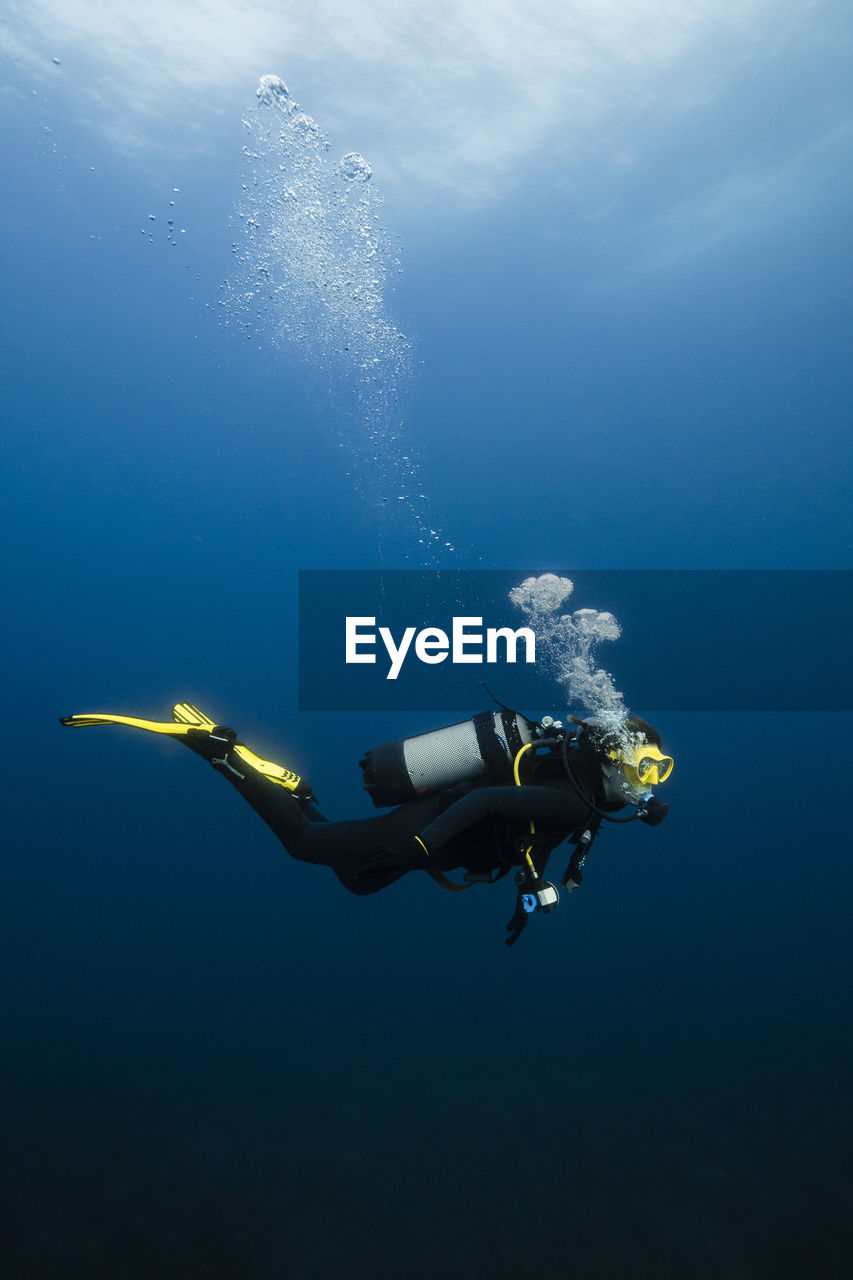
column 481, row 829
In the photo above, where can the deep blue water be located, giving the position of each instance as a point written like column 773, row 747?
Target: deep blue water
column 218, row 1062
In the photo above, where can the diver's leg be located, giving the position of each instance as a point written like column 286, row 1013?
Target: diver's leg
column 365, row 853
column 288, row 817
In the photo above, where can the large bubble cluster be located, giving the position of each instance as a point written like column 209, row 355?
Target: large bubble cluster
column 355, row 167
column 568, row 643
column 314, row 267
column 271, row 89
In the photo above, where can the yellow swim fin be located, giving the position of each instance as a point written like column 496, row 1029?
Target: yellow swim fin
column 191, row 716
column 152, row 726
column 191, row 724
column 186, row 713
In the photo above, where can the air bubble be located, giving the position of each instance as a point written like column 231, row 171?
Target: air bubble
column 354, row 167
column 568, row 642
column 315, row 261
column 272, row 90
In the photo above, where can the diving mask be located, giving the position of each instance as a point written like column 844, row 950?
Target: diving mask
column 645, row 766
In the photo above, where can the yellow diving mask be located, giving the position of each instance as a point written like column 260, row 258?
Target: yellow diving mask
column 645, row 766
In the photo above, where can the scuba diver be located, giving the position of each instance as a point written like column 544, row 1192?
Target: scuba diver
column 491, row 795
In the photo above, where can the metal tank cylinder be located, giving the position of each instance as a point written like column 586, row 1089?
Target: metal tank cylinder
column 484, row 746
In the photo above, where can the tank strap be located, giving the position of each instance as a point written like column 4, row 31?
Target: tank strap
column 494, row 757
column 509, row 720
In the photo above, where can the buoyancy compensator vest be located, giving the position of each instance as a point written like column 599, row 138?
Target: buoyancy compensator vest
column 482, row 748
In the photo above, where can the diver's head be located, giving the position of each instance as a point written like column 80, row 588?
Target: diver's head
column 630, row 756
column 637, row 752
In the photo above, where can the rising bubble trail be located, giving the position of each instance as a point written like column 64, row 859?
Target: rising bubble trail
column 568, row 643
column 314, row 267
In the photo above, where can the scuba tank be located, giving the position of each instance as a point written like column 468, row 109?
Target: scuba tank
column 482, row 748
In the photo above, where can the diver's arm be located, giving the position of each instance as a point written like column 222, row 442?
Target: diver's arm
column 548, row 807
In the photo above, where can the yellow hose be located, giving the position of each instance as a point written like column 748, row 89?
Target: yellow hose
column 516, row 774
